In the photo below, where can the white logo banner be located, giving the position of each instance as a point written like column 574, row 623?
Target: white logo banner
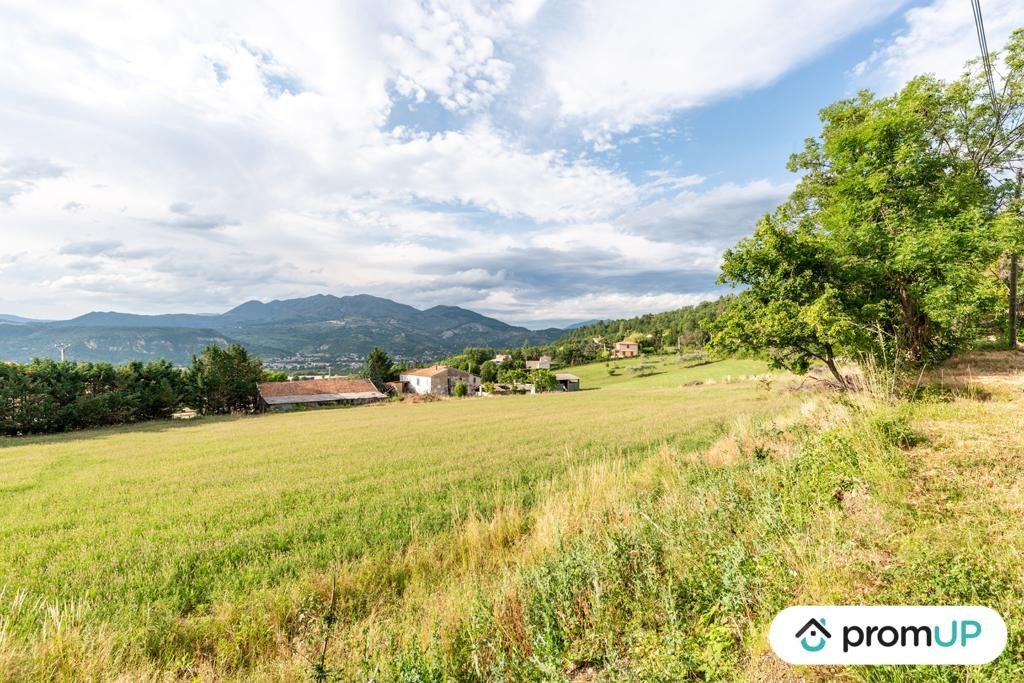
column 824, row 634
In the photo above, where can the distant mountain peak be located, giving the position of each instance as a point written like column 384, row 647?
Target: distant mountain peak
column 321, row 329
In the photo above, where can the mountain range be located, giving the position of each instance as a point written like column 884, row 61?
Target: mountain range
column 317, row 331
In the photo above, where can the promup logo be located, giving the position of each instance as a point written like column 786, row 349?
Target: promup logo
column 888, row 635
column 817, row 629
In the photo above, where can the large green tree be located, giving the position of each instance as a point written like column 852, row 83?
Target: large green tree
column 885, row 249
column 378, row 368
column 224, row 380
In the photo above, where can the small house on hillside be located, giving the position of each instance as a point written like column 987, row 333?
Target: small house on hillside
column 625, row 349
column 439, row 380
column 542, row 363
column 314, row 392
column 501, row 358
column 568, row 381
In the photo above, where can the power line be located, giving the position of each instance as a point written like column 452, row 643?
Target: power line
column 979, row 25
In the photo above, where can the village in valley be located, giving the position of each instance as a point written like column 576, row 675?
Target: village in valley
column 433, row 381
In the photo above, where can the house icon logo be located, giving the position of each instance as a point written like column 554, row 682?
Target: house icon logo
column 816, row 631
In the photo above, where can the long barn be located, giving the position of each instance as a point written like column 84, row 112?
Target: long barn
column 314, row 392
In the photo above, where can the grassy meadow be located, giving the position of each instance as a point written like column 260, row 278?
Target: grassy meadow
column 645, row 529
column 175, row 548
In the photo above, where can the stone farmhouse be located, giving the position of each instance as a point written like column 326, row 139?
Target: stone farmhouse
column 439, row 380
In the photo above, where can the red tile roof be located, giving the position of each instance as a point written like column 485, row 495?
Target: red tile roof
column 426, row 372
column 316, row 387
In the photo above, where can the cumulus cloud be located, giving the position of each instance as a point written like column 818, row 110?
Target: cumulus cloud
column 189, row 156
column 481, row 168
column 447, row 49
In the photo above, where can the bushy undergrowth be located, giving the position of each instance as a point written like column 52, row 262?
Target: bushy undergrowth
column 683, row 579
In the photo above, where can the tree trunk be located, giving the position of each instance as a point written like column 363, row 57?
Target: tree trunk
column 830, row 361
column 915, row 332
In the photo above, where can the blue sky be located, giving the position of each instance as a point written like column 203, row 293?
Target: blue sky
column 539, row 161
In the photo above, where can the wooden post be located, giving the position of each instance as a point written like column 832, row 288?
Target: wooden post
column 1013, row 302
column 1013, row 279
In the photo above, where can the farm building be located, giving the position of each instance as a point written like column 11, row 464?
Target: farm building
column 313, row 392
column 501, row 358
column 439, row 380
column 542, row 363
column 568, row 381
column 625, row 349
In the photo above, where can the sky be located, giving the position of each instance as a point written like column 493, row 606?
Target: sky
column 543, row 162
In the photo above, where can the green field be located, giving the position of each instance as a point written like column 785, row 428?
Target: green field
column 140, row 537
column 646, row 528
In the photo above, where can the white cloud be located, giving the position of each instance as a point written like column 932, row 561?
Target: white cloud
column 189, row 156
column 717, row 217
column 448, row 49
column 938, row 39
column 614, row 65
column 481, row 168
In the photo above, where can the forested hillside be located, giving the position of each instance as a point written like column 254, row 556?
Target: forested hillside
column 670, row 328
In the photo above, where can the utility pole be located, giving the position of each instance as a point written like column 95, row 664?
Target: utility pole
column 1013, row 277
column 979, row 25
column 62, row 348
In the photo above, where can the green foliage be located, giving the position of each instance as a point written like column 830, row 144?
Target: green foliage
column 49, row 396
column 460, row 389
column 791, row 309
column 275, row 376
column 665, row 328
column 515, row 361
column 378, row 368
column 473, row 358
column 509, row 374
column 488, row 371
column 544, row 380
column 884, row 249
column 224, row 380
